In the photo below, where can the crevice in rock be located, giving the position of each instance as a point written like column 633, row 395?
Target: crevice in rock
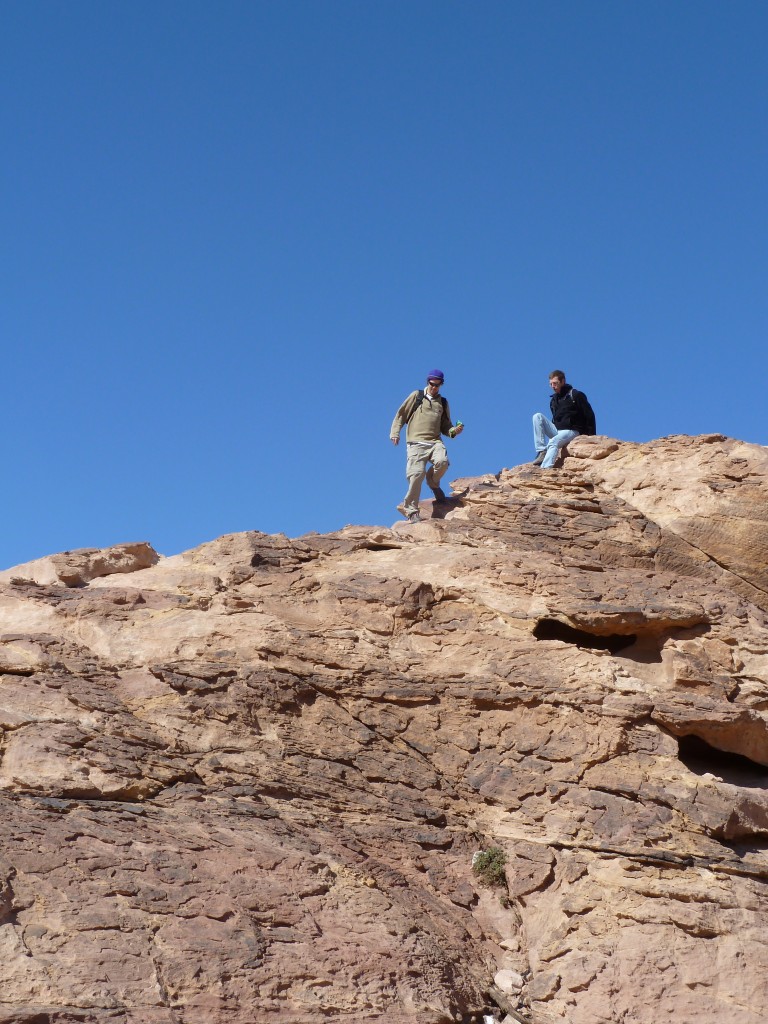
column 8, row 913
column 701, row 758
column 756, row 844
column 86, row 1014
column 551, row 629
column 282, row 558
column 725, row 568
column 89, row 795
column 622, row 794
column 373, row 546
column 132, row 796
column 21, row 1016
column 687, row 540
column 165, row 999
column 668, row 859
column 403, row 700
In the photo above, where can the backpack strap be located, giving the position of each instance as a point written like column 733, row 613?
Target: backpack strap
column 420, row 399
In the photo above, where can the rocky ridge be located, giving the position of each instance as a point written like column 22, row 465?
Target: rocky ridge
column 246, row 783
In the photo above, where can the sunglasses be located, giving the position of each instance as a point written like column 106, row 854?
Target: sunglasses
column 435, row 383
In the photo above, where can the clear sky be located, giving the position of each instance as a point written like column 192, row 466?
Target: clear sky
column 235, row 235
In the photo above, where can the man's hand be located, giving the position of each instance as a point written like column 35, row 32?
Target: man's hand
column 458, row 429
column 395, row 440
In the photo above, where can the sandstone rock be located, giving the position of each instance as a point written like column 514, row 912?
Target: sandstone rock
column 245, row 783
column 75, row 568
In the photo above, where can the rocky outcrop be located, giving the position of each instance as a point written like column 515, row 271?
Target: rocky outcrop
column 247, row 783
column 76, row 568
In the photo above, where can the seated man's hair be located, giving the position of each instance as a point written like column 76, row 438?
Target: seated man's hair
column 557, row 373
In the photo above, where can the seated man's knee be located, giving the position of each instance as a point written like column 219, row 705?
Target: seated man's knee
column 538, row 418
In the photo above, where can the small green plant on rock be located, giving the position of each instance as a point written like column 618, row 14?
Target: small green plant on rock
column 489, row 867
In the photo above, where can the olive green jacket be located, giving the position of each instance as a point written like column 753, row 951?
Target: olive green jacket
column 427, row 423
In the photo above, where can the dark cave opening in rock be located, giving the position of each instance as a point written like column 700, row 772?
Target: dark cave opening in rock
column 701, row 758
column 551, row 629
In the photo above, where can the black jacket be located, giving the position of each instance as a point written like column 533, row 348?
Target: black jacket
column 571, row 411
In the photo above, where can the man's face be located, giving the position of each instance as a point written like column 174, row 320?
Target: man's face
column 433, row 386
column 556, row 384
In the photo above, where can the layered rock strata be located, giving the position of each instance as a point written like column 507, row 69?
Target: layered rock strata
column 247, row 783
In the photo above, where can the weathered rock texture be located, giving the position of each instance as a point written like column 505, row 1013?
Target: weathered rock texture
column 246, row 784
column 74, row 568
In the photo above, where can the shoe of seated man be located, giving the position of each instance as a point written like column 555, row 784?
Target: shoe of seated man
column 540, row 456
column 439, row 494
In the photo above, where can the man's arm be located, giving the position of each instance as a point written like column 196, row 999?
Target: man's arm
column 402, row 416
column 446, row 424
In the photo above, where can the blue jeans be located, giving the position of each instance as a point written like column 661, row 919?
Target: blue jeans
column 547, row 436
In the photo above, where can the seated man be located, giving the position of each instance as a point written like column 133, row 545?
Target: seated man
column 571, row 415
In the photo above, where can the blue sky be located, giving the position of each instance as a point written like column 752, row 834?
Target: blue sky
column 237, row 234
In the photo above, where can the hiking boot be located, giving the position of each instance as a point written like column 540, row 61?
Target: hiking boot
column 414, row 517
column 401, row 510
column 539, row 458
column 439, row 494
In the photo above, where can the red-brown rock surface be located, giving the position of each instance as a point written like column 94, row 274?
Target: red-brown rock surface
column 246, row 783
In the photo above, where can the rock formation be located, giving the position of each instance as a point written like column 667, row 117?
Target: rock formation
column 247, row 783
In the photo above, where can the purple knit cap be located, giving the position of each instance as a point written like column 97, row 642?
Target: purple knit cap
column 436, row 375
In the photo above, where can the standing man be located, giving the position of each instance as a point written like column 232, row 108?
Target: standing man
column 428, row 417
column 571, row 415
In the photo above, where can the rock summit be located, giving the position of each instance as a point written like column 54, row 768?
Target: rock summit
column 509, row 763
